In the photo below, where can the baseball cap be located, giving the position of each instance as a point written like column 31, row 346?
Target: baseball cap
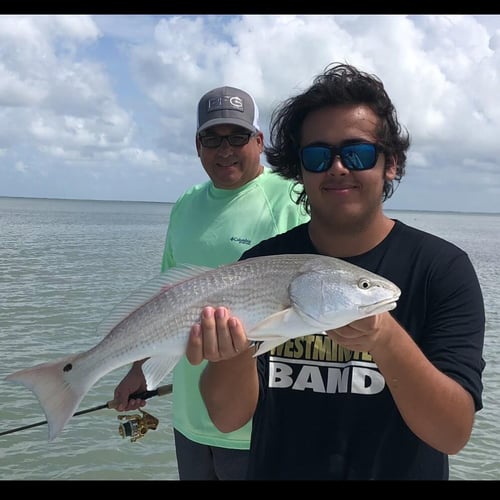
column 227, row 105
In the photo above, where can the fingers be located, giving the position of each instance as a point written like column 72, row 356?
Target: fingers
column 128, row 405
column 194, row 348
column 134, row 404
column 120, row 399
column 238, row 335
column 132, row 383
column 217, row 342
column 363, row 334
column 218, row 336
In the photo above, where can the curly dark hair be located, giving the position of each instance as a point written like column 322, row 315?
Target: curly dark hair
column 338, row 85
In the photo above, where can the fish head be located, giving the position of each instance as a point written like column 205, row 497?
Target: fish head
column 333, row 293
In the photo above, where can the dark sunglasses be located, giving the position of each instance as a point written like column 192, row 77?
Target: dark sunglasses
column 356, row 156
column 214, row 141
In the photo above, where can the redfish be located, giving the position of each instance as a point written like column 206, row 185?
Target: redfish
column 276, row 297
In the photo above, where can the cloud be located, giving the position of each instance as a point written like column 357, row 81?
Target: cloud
column 114, row 98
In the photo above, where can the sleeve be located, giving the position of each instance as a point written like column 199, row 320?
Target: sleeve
column 457, row 317
column 168, row 259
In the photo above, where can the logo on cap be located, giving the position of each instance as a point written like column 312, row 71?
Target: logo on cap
column 225, row 102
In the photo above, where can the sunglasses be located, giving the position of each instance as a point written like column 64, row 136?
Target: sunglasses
column 214, row 141
column 356, row 156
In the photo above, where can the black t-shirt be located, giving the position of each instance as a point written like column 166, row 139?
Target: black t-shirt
column 324, row 412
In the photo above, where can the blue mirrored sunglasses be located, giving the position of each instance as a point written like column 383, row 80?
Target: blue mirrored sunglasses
column 356, row 156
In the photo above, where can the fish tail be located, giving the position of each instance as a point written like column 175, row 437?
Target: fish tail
column 59, row 390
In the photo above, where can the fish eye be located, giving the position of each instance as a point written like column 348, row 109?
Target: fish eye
column 364, row 283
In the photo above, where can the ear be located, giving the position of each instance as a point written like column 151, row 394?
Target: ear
column 260, row 140
column 391, row 169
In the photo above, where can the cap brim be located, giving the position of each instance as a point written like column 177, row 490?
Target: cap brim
column 227, row 121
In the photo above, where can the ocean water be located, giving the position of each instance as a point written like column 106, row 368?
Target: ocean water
column 64, row 264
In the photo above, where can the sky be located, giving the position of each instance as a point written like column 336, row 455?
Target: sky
column 104, row 106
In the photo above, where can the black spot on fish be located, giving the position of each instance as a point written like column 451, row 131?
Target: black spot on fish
column 68, row 367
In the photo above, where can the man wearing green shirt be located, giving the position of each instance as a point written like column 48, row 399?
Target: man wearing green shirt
column 212, row 224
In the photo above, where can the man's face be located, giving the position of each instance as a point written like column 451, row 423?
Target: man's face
column 230, row 167
column 340, row 195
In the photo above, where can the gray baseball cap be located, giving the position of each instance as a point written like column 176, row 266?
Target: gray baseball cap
column 227, row 105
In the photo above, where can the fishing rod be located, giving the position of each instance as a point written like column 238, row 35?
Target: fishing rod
column 135, row 425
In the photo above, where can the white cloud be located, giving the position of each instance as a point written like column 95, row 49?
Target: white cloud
column 114, row 97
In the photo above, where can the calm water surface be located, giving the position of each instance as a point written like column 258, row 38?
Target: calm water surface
column 65, row 264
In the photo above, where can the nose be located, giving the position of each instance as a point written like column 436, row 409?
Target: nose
column 337, row 167
column 225, row 147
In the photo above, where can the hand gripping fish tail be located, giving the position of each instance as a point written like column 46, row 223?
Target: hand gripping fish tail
column 276, row 297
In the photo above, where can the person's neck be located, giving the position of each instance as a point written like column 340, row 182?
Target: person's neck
column 349, row 238
column 260, row 170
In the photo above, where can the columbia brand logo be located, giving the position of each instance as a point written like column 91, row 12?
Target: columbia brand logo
column 242, row 241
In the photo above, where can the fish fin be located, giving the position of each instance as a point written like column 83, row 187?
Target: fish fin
column 147, row 291
column 58, row 396
column 287, row 321
column 265, row 334
column 156, row 368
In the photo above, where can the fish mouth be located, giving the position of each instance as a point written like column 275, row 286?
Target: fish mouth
column 380, row 306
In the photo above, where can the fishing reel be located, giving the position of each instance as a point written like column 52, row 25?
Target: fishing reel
column 136, row 426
